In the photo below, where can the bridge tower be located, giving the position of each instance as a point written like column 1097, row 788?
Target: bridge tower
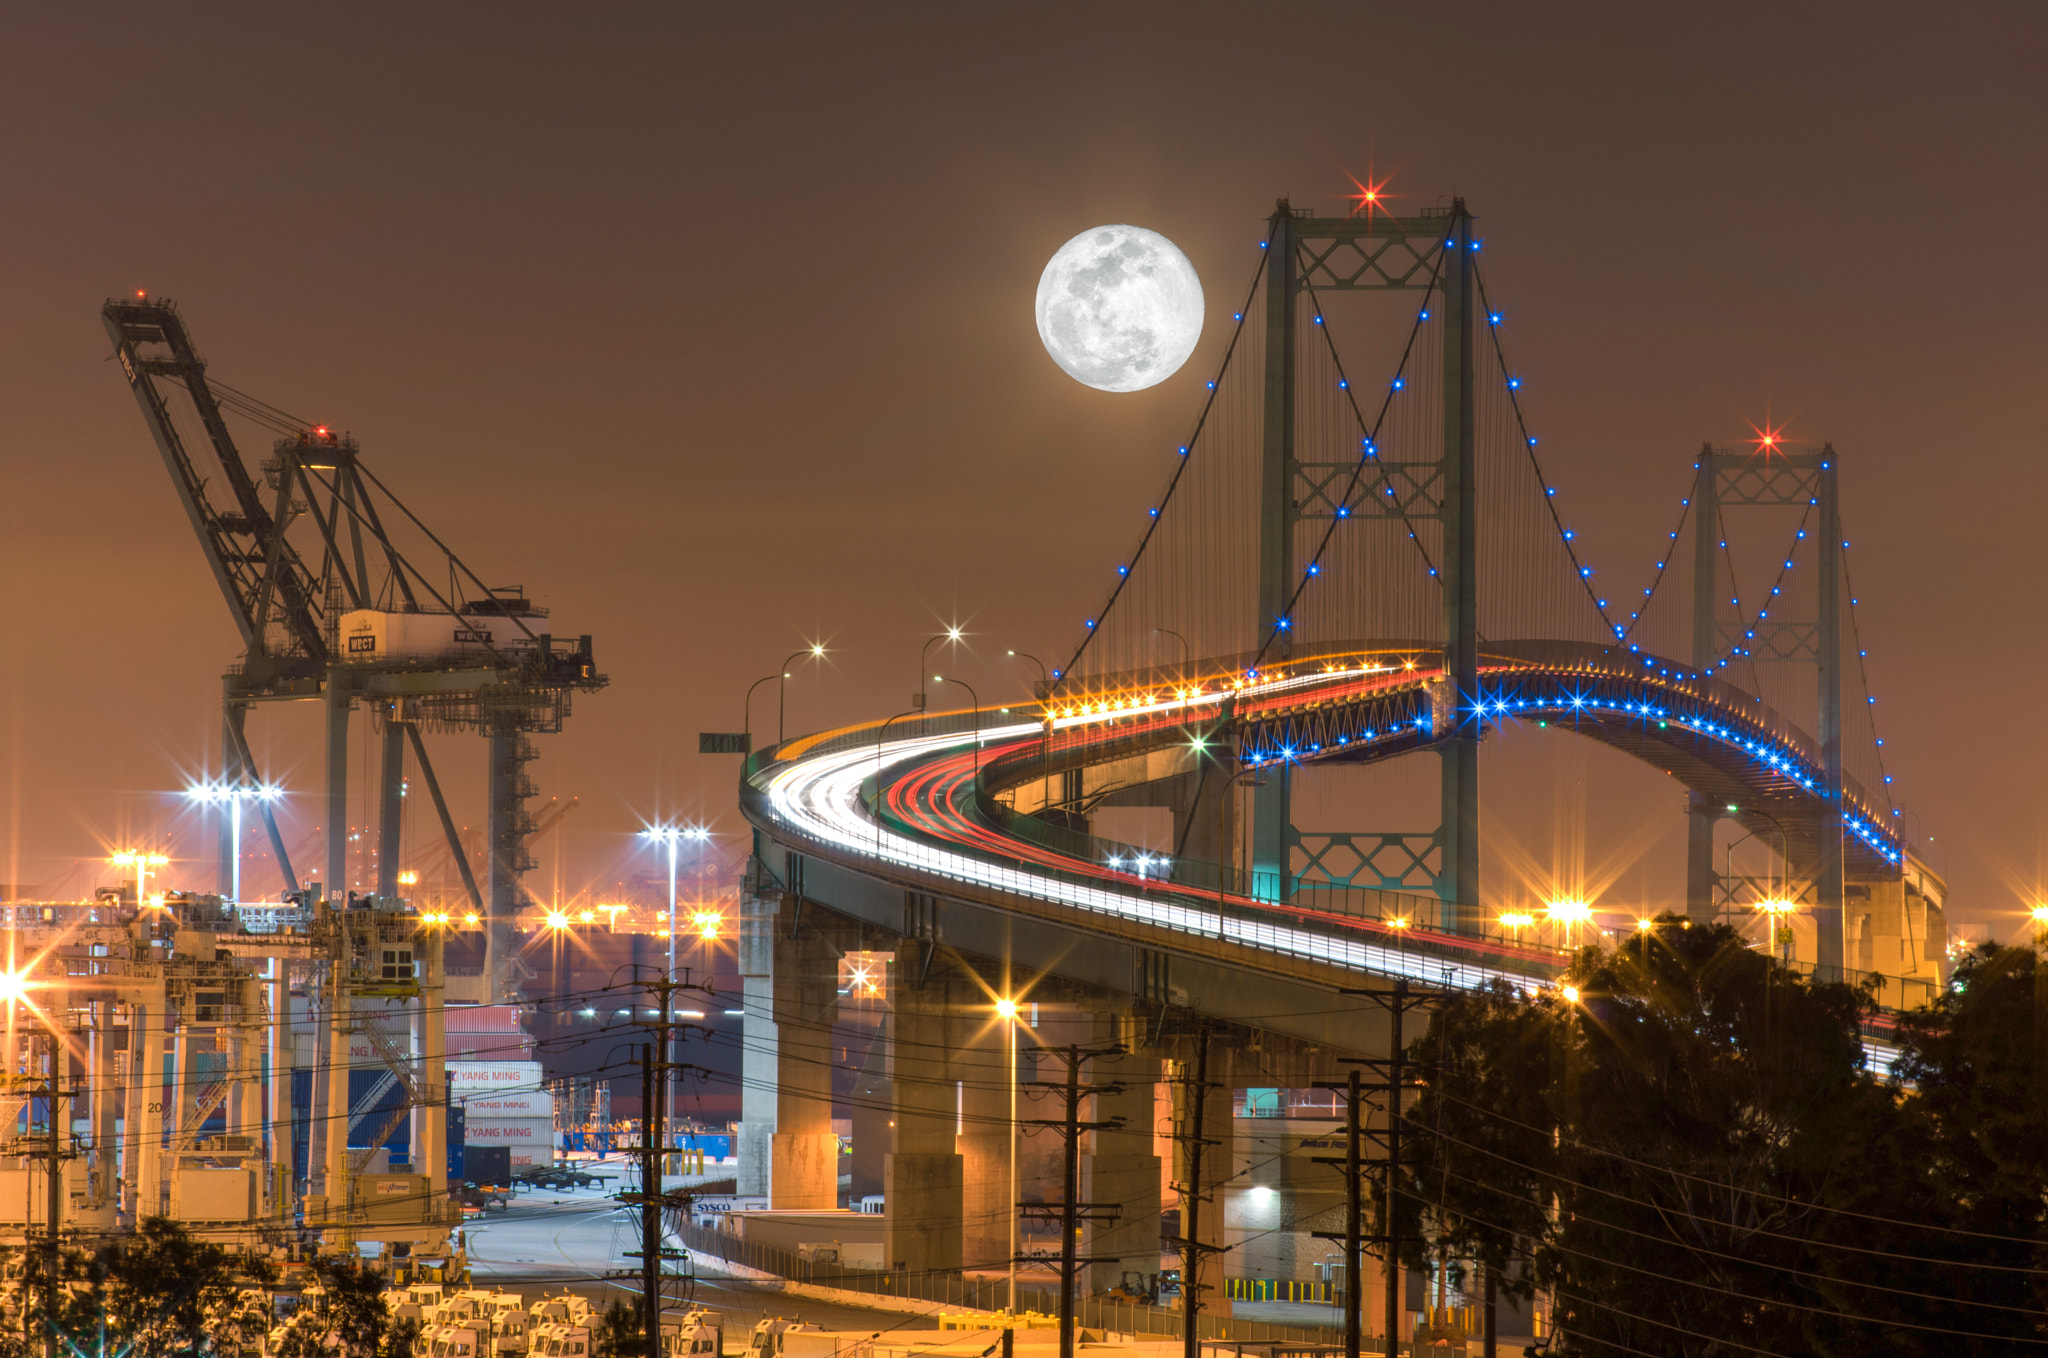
column 1814, row 849
column 1376, row 253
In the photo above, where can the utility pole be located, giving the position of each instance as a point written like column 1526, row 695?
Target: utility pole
column 1397, row 999
column 53, row 1151
column 1353, row 1234
column 1189, row 1242
column 1069, row 1211
column 651, row 1198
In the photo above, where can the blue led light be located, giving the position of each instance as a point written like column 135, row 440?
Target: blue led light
column 1398, row 384
column 1424, row 316
column 1091, row 624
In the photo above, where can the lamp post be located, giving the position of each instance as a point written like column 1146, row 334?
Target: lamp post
column 216, row 794
column 1185, row 654
column 815, row 652
column 880, row 737
column 1784, row 850
column 1006, row 1010
column 951, row 634
column 142, row 862
column 1044, row 689
column 1044, row 695
column 747, row 720
column 673, row 836
column 1570, row 913
column 942, row 679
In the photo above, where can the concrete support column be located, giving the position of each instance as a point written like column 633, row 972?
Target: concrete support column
column 874, row 1104
column 100, row 1081
column 988, row 1201
column 1121, row 1167
column 333, row 1122
column 1218, row 1158
column 921, row 1179
column 278, row 1112
column 430, row 1154
column 755, row 948
column 178, row 1093
column 390, row 805
column 245, row 1093
column 336, row 813
column 804, row 1152
column 146, row 1105
column 1205, row 825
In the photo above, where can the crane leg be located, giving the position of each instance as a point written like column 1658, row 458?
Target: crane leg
column 391, row 806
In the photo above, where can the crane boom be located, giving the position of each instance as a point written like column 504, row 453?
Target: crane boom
column 257, row 570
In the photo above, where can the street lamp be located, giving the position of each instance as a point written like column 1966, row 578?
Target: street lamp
column 232, row 796
column 942, row 679
column 1006, row 1010
column 1044, row 695
column 1775, row 910
column 1569, row 912
column 1044, row 689
column 673, row 836
column 1784, row 849
column 747, row 720
column 1185, row 661
column 952, row 635
column 816, row 652
column 142, row 862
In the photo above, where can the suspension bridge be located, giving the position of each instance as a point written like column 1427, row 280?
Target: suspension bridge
column 1358, row 557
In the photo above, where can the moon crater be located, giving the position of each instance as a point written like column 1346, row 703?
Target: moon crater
column 1119, row 308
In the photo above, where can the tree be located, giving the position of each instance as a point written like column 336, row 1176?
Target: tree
column 348, row 1315
column 155, row 1294
column 621, row 1332
column 1652, row 1146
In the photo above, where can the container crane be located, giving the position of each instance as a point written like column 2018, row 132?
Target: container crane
column 343, row 596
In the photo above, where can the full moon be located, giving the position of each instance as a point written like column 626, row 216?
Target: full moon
column 1119, row 308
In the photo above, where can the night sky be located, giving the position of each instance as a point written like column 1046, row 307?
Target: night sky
column 712, row 326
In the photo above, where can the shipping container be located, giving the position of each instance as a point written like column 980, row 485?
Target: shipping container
column 369, row 636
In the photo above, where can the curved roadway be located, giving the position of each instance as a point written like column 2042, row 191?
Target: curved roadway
column 915, row 800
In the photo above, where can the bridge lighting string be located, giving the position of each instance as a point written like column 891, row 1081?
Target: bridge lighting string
column 1855, row 636
column 1670, row 551
column 1276, row 626
column 1863, row 672
column 1580, row 568
column 1186, row 455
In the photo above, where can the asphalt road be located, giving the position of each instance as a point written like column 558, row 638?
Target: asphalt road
column 568, row 1240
